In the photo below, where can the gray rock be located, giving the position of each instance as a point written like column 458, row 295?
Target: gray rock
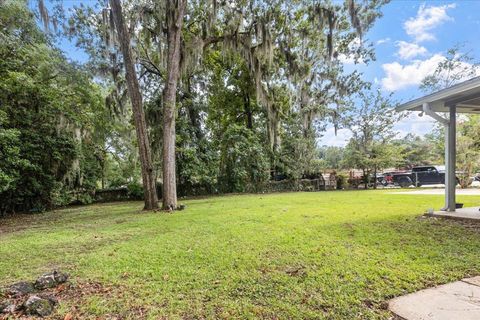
column 50, row 280
column 39, row 305
column 20, row 289
column 8, row 307
column 3, row 306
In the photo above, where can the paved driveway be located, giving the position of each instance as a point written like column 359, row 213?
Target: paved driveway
column 441, row 191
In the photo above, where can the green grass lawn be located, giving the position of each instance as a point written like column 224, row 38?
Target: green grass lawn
column 332, row 255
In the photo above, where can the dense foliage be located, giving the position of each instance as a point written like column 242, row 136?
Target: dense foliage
column 48, row 111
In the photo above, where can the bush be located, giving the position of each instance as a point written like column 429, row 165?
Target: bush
column 84, row 198
column 135, row 191
column 244, row 165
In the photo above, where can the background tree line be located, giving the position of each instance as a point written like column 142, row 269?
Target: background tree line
column 184, row 97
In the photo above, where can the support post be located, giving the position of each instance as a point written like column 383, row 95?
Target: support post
column 450, row 153
column 447, row 166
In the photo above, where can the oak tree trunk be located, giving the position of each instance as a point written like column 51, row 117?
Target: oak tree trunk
column 175, row 14
column 148, row 174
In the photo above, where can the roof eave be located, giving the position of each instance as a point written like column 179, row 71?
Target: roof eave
column 439, row 95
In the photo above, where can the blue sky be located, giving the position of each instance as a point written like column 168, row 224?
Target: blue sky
column 409, row 40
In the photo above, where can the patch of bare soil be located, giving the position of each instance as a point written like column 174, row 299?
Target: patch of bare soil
column 472, row 225
column 75, row 295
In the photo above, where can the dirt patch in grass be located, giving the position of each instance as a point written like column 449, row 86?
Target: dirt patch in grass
column 74, row 299
column 469, row 224
column 76, row 296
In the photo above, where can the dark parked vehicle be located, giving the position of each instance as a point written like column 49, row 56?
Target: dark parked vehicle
column 476, row 177
column 421, row 175
column 379, row 179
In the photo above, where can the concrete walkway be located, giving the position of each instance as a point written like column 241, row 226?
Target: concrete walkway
column 456, row 300
column 440, row 191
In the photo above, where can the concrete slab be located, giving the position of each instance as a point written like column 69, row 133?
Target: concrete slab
column 475, row 281
column 470, row 213
column 457, row 300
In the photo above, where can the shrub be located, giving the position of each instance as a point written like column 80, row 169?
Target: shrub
column 135, row 191
column 244, row 165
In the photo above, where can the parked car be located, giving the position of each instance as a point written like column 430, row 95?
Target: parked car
column 380, row 179
column 421, row 175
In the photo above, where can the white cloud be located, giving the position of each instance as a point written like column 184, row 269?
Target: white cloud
column 382, row 41
column 330, row 139
column 407, row 50
column 427, row 19
column 398, row 76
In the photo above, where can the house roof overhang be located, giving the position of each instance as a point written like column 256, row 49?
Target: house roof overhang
column 465, row 96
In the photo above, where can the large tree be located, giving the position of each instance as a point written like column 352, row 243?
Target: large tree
column 148, row 173
column 175, row 16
